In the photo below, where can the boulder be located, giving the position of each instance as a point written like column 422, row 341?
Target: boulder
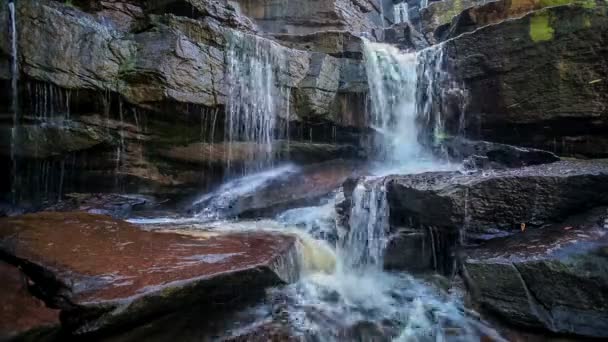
column 488, row 204
column 104, row 274
column 555, row 278
column 563, row 107
column 484, row 154
column 22, row 316
column 275, row 190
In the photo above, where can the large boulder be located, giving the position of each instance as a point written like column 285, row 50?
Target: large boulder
column 484, row 154
column 488, row 204
column 103, row 273
column 563, row 107
column 270, row 192
column 555, row 278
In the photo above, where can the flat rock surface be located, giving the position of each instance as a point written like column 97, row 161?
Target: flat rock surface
column 491, row 203
column 95, row 261
column 20, row 312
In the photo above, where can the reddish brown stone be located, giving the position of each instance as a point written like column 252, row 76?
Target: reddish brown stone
column 20, row 312
column 92, row 265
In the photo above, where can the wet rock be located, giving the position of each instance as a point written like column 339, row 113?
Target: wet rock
column 52, row 139
column 555, row 278
column 406, row 37
column 22, row 316
column 334, row 43
column 488, row 204
column 240, row 153
column 305, row 17
column 295, row 187
column 562, row 109
column 115, row 205
column 441, row 13
column 104, row 274
column 483, row 154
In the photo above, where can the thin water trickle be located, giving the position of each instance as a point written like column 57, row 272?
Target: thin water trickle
column 254, row 98
column 14, row 99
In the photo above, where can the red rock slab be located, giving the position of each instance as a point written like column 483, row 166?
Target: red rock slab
column 20, row 312
column 92, row 265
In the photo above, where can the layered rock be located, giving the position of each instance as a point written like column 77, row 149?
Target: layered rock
column 555, row 278
column 303, row 17
column 484, row 205
column 104, row 273
column 561, row 107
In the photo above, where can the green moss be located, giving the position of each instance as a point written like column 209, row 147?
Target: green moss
column 540, row 27
column 547, row 3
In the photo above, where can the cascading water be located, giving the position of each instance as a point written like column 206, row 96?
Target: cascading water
column 15, row 98
column 255, row 99
column 364, row 244
column 392, row 81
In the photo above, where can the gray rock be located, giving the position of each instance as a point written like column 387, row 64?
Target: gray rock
column 555, row 278
column 486, row 205
column 483, row 154
column 563, row 107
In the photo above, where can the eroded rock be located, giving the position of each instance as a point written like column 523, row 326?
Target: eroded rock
column 490, row 204
column 555, row 278
column 562, row 108
column 484, row 154
column 103, row 273
column 22, row 316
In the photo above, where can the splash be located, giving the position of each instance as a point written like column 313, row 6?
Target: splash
column 364, row 245
column 392, row 81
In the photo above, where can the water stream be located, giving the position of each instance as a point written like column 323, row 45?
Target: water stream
column 15, row 99
column 344, row 293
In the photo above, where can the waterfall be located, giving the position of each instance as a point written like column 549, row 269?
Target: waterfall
column 15, row 97
column 392, row 81
column 364, row 244
column 254, row 99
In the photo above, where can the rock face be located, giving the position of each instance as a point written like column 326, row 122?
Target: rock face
column 22, row 315
column 555, row 278
column 563, row 107
column 302, row 17
column 104, row 273
column 153, row 77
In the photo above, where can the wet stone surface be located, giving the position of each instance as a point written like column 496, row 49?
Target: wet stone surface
column 21, row 314
column 553, row 278
column 103, row 272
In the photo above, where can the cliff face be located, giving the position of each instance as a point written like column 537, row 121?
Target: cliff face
column 139, row 79
column 143, row 81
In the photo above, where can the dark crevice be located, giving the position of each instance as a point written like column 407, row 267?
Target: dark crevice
column 537, row 307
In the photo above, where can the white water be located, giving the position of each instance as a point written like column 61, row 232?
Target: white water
column 364, row 244
column 215, row 203
column 344, row 294
column 392, row 81
column 254, row 97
